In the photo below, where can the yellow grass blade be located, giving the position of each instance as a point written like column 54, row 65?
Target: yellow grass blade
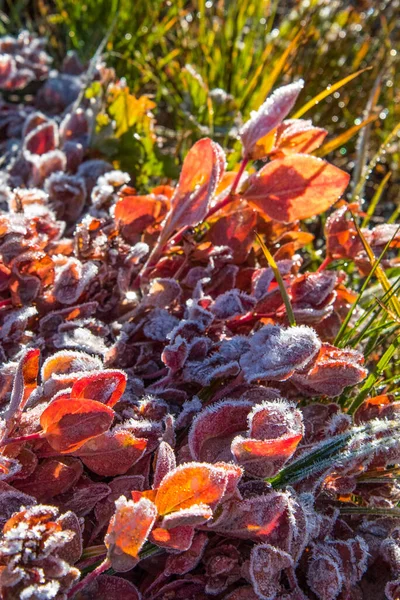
column 327, row 92
column 380, row 273
column 375, row 199
column 343, row 138
column 278, row 277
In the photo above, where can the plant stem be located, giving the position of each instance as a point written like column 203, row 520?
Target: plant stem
column 23, row 438
column 89, row 578
column 231, row 195
column 325, row 263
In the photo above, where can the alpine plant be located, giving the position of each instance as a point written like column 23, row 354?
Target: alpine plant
column 169, row 428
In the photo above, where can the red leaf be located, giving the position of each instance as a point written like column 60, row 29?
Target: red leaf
column 214, row 429
column 42, row 139
column 333, row 370
column 295, row 187
column 112, row 453
column 109, row 587
column 187, row 561
column 235, row 230
column 202, row 170
column 256, row 518
column 165, row 462
column 104, row 386
column 67, row 362
column 67, row 425
column 179, row 538
column 25, row 382
column 198, row 514
column 52, row 477
column 266, row 565
column 264, row 458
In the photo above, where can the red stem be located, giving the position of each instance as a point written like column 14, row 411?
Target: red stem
column 88, row 562
column 231, row 196
column 324, row 264
column 23, row 438
column 89, row 578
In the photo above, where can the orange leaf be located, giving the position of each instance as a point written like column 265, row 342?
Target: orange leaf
column 189, row 484
column 128, row 531
column 105, row 386
column 295, row 187
column 264, row 458
column 297, row 136
column 30, row 371
column 135, row 213
column 67, row 425
column 280, row 448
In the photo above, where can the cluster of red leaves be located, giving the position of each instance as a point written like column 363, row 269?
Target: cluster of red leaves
column 150, row 383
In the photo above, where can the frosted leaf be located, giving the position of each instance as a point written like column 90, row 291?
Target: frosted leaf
column 159, row 324
column 313, row 288
column 275, row 353
column 46, row 591
column 188, row 560
column 16, row 322
column 198, row 514
column 234, row 348
column 268, row 117
column 115, row 178
column 72, row 278
column 214, row 367
column 110, row 587
column 69, row 362
column 214, row 428
column 165, row 462
column 266, row 566
column 271, row 420
column 259, row 518
column 162, row 293
column 200, row 315
column 91, row 170
column 42, row 139
column 324, row 576
column 231, row 304
column 189, row 409
column 75, row 126
column 333, row 370
column 67, row 195
column 46, row 164
column 128, row 531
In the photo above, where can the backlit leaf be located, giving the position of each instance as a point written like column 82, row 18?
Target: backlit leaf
column 103, row 386
column 189, row 484
column 295, row 187
column 128, row 531
column 67, row 425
